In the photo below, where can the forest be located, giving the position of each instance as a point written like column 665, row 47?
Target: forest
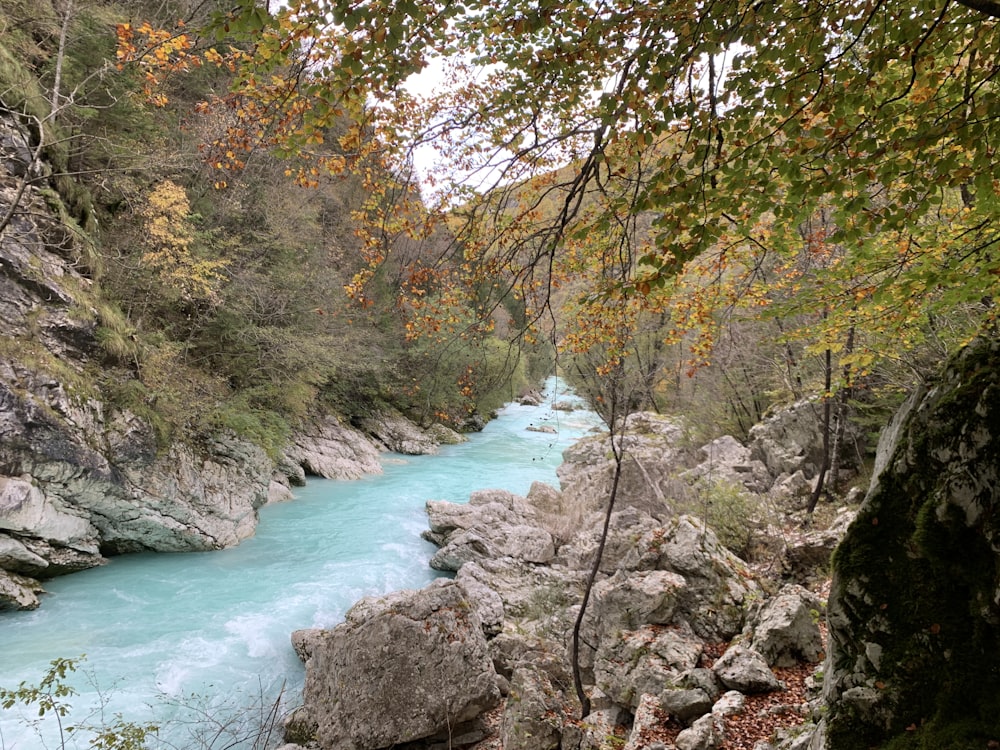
column 698, row 209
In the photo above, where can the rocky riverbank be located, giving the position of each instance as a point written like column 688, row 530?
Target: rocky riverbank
column 681, row 637
column 81, row 485
column 679, row 633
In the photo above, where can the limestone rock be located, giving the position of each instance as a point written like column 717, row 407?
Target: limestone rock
column 914, row 608
column 444, row 435
column 626, row 526
column 646, row 660
column 727, row 459
column 184, row 501
column 543, row 428
column 489, row 526
column 649, row 718
column 786, row 630
column 16, row 557
column 701, row 678
column 25, row 508
column 731, row 702
column 741, row 668
column 685, row 704
column 417, row 661
column 398, row 434
column 600, row 727
column 326, row 448
column 532, row 718
column 486, row 601
column 510, row 649
column 278, row 492
column 69, row 495
column 655, row 455
column 305, row 641
column 532, row 595
column 544, row 498
column 717, row 583
column 58, row 560
column 531, row 398
column 18, row 592
column 792, row 486
column 789, row 440
column 629, row 600
column 704, row 734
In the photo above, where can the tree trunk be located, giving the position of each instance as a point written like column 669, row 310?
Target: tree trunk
column 840, row 418
column 825, row 465
column 618, row 452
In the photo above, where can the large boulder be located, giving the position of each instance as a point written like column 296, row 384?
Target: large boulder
column 786, row 629
column 741, row 668
column 655, row 452
column 704, row 734
column 400, row 668
column 533, row 717
column 492, row 525
column 650, row 659
column 914, row 611
column 397, row 433
column 789, row 440
column 18, row 592
column 531, row 595
column 626, row 526
column 718, row 584
column 727, row 459
column 628, row 600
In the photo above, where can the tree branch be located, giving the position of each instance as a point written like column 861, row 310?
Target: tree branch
column 989, row 7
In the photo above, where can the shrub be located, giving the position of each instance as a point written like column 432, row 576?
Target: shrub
column 731, row 512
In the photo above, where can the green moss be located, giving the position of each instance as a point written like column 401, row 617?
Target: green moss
column 948, row 732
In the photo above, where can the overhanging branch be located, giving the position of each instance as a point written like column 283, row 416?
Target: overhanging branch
column 989, row 7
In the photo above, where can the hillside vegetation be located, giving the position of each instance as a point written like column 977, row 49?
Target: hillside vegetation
column 219, row 307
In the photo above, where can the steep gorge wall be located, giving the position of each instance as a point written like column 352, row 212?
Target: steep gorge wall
column 79, row 478
column 82, row 477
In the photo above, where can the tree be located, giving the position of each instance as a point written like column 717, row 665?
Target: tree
column 729, row 124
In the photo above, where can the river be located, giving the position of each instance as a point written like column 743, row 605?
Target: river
column 169, row 637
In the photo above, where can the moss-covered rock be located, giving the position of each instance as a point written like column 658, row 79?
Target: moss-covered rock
column 915, row 607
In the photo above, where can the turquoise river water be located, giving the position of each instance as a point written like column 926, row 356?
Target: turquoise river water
column 167, row 635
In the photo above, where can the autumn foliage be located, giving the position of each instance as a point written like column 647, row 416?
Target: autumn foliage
column 611, row 174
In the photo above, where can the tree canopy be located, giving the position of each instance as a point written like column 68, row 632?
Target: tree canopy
column 835, row 161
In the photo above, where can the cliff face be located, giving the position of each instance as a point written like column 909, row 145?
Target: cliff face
column 78, row 477
column 914, row 610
